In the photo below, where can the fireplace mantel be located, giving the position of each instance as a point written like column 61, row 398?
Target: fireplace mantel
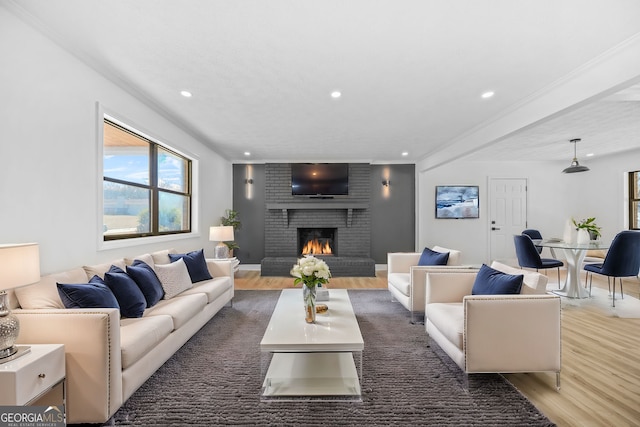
column 324, row 204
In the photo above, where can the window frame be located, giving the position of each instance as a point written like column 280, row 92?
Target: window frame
column 634, row 198
column 154, row 235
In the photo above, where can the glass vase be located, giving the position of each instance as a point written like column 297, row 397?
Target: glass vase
column 309, row 296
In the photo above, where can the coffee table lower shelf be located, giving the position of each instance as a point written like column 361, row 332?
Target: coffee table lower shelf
column 312, row 376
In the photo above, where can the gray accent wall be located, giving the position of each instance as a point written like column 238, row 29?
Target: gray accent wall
column 393, row 210
column 249, row 201
column 373, row 221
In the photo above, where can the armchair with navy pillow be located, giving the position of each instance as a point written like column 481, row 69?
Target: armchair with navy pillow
column 406, row 274
column 495, row 321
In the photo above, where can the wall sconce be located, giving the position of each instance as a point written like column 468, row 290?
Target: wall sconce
column 248, row 182
column 386, row 183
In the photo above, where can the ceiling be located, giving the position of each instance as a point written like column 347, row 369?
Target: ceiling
column 411, row 73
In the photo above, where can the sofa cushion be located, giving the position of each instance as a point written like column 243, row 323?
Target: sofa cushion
column 448, row 318
column 533, row 282
column 147, row 281
column 129, row 296
column 44, row 294
column 400, row 281
column 431, row 257
column 141, row 335
column 174, row 278
column 181, row 308
column 493, row 282
column 211, row 288
column 146, row 258
column 162, row 257
column 196, row 265
column 100, row 269
column 454, row 255
column 94, row 294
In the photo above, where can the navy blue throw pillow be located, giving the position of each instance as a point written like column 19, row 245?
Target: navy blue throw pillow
column 493, row 282
column 430, row 257
column 196, row 265
column 147, row 281
column 130, row 297
column 94, row 294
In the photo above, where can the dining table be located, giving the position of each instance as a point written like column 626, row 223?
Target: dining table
column 574, row 253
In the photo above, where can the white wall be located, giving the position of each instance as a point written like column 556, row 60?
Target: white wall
column 48, row 153
column 553, row 197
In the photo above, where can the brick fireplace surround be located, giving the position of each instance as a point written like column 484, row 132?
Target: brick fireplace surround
column 350, row 216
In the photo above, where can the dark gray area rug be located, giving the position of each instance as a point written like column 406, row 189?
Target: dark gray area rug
column 215, row 378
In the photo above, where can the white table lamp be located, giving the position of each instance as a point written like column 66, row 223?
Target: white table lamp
column 19, row 266
column 221, row 234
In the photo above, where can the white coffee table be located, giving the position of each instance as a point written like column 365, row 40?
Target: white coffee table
column 312, row 360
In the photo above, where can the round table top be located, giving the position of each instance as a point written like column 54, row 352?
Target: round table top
column 561, row 244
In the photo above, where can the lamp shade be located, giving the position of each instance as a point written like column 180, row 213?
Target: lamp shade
column 221, row 233
column 19, row 265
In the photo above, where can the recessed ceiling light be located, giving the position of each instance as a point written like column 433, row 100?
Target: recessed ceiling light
column 246, row 153
column 405, row 153
column 488, row 94
column 336, row 94
column 186, row 93
column 590, row 154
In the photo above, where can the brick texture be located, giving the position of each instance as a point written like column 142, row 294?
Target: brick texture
column 281, row 230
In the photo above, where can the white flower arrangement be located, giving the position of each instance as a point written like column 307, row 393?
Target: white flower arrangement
column 311, row 271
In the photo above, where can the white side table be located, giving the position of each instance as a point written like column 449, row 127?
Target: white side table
column 32, row 375
column 235, row 263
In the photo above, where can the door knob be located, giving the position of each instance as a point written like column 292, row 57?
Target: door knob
column 495, row 228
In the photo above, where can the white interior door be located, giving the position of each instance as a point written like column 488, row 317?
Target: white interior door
column 507, row 215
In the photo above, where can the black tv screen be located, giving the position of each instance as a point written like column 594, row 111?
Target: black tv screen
column 319, row 179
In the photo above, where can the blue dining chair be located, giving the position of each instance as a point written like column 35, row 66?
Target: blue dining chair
column 529, row 257
column 535, row 235
column 622, row 260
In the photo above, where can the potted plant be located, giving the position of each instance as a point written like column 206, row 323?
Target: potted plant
column 231, row 218
column 589, row 225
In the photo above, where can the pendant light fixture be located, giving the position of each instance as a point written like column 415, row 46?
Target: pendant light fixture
column 575, row 166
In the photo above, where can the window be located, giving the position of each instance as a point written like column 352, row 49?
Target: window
column 634, row 200
column 146, row 186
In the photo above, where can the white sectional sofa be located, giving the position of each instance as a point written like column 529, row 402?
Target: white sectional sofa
column 108, row 357
column 495, row 333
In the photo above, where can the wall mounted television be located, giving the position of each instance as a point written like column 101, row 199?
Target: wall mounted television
column 457, row 201
column 320, row 179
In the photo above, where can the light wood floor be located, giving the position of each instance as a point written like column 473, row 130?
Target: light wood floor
column 600, row 359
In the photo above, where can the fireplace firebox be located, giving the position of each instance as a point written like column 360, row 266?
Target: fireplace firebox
column 317, row 241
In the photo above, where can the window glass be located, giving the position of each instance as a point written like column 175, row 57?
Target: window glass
column 126, row 209
column 146, row 186
column 174, row 212
column 126, row 157
column 172, row 171
column 634, row 200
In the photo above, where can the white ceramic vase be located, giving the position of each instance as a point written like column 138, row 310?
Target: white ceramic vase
column 583, row 236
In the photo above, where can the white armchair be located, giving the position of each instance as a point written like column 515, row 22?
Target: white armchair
column 494, row 333
column 406, row 280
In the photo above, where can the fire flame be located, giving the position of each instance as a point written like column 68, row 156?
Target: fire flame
column 314, row 247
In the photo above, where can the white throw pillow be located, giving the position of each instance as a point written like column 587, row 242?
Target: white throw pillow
column 174, row 278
